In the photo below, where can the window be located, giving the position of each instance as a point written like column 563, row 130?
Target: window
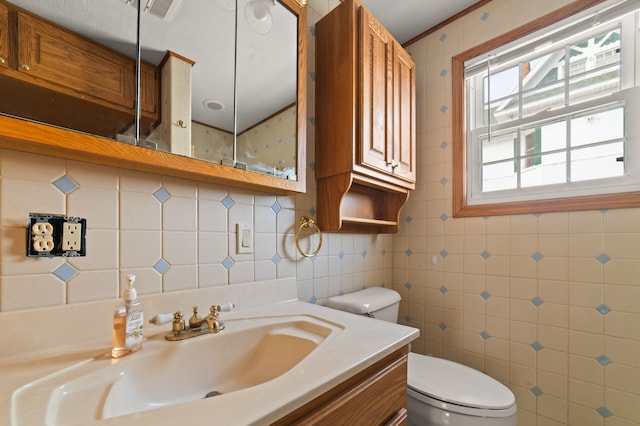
column 548, row 118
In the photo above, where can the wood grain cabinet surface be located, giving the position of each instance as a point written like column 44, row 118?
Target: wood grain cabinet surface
column 374, row 397
column 365, row 122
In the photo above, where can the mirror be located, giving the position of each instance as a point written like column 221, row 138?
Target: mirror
column 238, row 104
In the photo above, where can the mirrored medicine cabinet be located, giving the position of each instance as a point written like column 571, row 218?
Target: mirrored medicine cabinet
column 209, row 90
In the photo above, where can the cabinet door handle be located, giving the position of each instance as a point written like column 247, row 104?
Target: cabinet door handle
column 25, row 67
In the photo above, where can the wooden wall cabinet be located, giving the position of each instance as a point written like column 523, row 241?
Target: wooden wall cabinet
column 376, row 396
column 58, row 77
column 365, row 122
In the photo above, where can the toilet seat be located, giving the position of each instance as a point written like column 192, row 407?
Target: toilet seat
column 451, row 386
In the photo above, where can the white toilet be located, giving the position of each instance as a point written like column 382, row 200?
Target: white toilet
column 440, row 392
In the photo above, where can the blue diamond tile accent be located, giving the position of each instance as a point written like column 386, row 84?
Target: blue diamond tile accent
column 313, row 300
column 537, row 256
column 444, row 144
column 603, row 360
column 603, row 309
column 444, row 217
column 407, row 318
column 536, row 391
column 443, row 36
column 407, row 285
column 364, row 253
column 443, row 73
column 341, row 293
column 408, row 219
column 383, row 252
column 65, row 184
column 65, row 272
column 443, row 289
column 161, row 266
column 537, row 346
column 444, row 108
column 485, row 295
column 275, row 207
column 312, row 211
column 444, row 181
column 341, row 255
column 485, row 16
column 161, row 195
column 443, row 253
column 408, row 252
column 484, row 335
column 604, row 412
column 537, row 301
column 228, row 263
column 603, row 258
column 312, row 165
column 276, row 259
column 485, row 255
column 312, row 31
column 442, row 326
column 227, row 202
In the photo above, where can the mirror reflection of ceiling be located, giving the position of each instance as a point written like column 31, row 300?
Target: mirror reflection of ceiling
column 203, row 32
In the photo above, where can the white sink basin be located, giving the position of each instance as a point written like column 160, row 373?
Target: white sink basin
column 247, row 353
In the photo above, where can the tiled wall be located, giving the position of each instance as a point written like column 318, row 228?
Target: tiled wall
column 547, row 304
column 173, row 234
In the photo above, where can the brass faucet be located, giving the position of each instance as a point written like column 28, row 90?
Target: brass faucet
column 195, row 327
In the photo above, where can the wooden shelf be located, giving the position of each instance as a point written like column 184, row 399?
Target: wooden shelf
column 358, row 206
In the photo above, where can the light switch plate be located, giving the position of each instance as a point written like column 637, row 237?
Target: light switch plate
column 244, row 238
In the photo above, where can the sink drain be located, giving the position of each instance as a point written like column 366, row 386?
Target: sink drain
column 212, row 393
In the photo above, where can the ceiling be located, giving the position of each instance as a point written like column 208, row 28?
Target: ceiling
column 406, row 19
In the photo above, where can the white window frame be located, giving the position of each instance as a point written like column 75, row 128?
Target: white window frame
column 469, row 200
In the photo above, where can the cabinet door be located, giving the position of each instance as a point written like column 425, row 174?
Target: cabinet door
column 4, row 36
column 66, row 62
column 148, row 89
column 404, row 110
column 376, row 90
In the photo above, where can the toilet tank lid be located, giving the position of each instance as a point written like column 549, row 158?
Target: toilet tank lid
column 364, row 301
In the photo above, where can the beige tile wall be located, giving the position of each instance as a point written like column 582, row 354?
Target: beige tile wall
column 547, row 304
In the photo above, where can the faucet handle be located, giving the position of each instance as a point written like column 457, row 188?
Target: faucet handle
column 161, row 319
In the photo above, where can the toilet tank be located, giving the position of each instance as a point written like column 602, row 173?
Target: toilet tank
column 378, row 302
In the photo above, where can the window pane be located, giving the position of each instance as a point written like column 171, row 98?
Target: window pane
column 597, row 162
column 594, row 52
column 499, row 147
column 543, row 70
column 501, row 84
column 551, row 168
column 594, row 84
column 598, row 127
column 504, row 110
column 499, row 176
column 544, row 138
column 543, row 99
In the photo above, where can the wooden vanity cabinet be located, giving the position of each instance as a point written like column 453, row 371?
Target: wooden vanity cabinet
column 365, row 121
column 4, row 37
column 59, row 77
column 375, row 396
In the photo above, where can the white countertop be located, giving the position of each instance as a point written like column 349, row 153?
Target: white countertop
column 360, row 343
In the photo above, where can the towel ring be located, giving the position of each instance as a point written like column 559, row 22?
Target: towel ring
column 306, row 222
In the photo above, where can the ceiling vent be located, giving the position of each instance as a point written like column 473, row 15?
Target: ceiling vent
column 163, row 9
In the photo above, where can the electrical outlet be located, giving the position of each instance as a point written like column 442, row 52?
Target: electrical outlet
column 42, row 237
column 51, row 235
column 71, row 236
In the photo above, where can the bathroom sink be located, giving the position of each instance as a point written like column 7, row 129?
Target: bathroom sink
column 247, row 353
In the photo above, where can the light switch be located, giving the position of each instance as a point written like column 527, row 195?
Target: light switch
column 244, row 238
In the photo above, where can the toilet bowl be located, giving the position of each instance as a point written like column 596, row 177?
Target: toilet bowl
column 439, row 392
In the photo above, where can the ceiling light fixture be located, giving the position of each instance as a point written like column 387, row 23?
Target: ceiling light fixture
column 258, row 15
column 214, row 105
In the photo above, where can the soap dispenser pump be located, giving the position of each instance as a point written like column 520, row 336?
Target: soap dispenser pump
column 128, row 322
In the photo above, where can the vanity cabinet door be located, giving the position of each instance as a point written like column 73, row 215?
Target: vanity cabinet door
column 66, row 62
column 4, row 37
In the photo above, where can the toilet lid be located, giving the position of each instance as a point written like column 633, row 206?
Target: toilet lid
column 456, row 383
